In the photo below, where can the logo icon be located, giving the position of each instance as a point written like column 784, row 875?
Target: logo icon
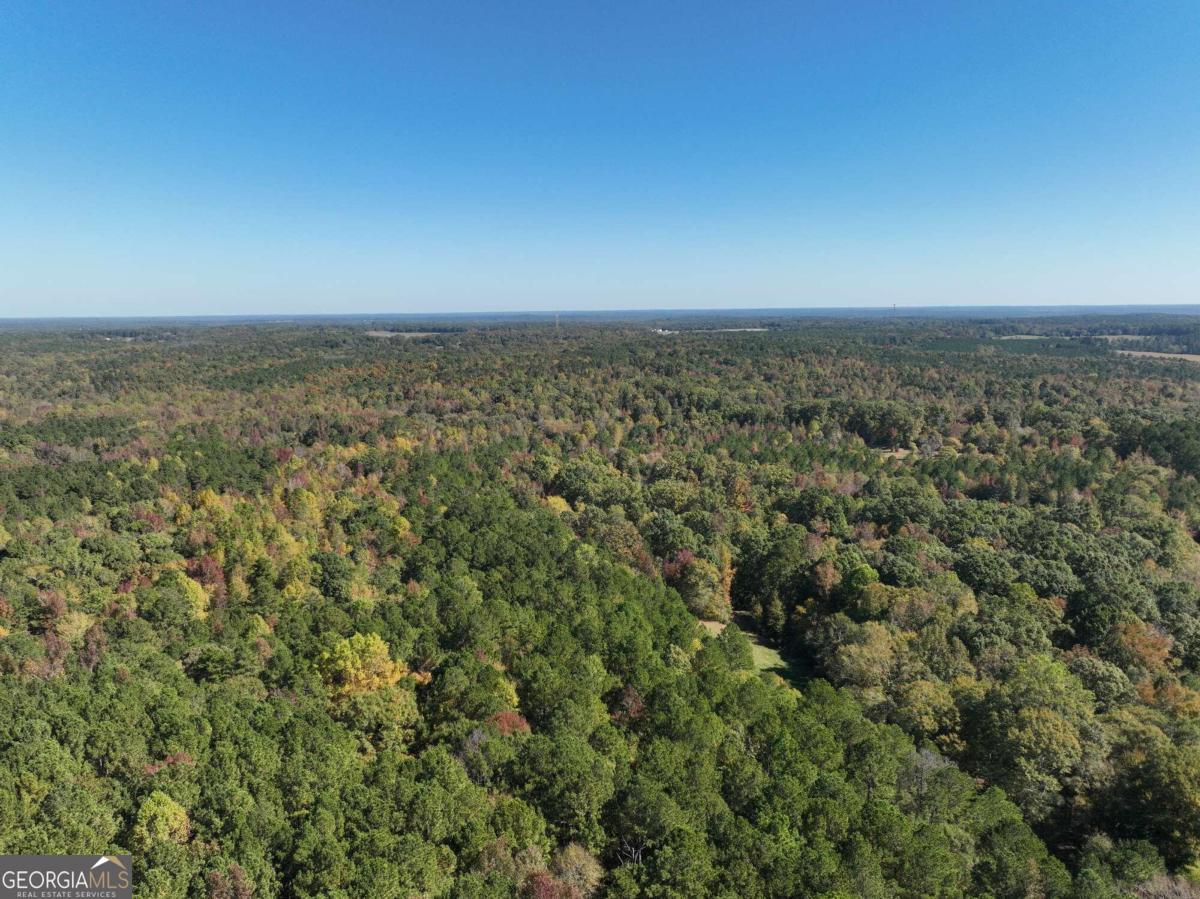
column 66, row 877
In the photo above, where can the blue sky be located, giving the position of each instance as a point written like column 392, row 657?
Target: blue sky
column 235, row 157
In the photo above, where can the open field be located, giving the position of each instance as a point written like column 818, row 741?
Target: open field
column 402, row 333
column 1186, row 357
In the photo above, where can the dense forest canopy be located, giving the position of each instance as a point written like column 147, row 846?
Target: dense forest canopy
column 893, row 607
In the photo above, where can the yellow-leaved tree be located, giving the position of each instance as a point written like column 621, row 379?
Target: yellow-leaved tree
column 359, row 664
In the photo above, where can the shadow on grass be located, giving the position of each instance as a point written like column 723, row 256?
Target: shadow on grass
column 770, row 659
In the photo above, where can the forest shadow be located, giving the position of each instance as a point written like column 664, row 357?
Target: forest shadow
column 771, row 659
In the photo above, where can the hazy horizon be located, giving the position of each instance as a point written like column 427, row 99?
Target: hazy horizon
column 308, row 159
column 648, row 314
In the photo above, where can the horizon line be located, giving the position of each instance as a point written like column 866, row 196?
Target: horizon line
column 283, row 317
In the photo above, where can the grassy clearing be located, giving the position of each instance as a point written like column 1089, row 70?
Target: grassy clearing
column 402, row 334
column 768, row 659
column 1186, row 357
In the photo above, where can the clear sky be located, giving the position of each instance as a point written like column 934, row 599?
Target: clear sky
column 253, row 157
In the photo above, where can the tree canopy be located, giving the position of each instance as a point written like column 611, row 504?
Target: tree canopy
column 887, row 608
